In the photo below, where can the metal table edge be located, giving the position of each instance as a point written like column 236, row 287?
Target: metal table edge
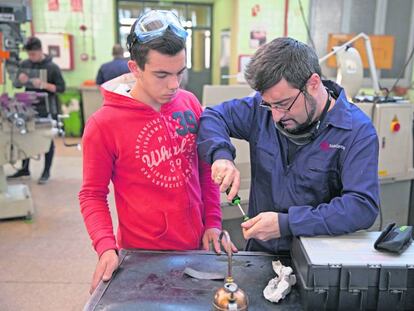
column 102, row 287
column 123, row 253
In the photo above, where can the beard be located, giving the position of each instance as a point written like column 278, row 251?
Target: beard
column 301, row 128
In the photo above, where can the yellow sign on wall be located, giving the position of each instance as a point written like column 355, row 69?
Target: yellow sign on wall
column 382, row 46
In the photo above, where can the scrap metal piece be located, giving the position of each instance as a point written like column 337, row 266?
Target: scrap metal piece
column 203, row 275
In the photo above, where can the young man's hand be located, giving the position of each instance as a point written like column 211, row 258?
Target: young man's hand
column 107, row 264
column 212, row 235
column 264, row 227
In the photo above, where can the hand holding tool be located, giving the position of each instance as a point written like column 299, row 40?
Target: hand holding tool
column 236, row 201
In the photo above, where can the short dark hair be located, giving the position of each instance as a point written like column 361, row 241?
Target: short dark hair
column 117, row 50
column 168, row 44
column 33, row 44
column 282, row 58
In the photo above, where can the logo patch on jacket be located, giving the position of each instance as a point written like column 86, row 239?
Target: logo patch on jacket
column 325, row 146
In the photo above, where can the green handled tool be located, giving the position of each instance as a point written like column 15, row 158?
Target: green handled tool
column 236, row 201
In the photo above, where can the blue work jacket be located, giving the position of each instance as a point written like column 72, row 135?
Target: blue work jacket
column 329, row 188
column 111, row 70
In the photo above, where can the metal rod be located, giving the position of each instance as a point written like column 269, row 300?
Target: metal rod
column 241, row 210
column 228, row 251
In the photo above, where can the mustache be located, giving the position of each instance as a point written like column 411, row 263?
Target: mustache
column 287, row 119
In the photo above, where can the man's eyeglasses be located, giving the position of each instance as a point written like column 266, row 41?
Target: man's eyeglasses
column 280, row 108
column 153, row 24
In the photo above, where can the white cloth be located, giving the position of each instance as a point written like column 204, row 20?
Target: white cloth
column 280, row 286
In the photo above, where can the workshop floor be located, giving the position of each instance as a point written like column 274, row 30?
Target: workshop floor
column 47, row 263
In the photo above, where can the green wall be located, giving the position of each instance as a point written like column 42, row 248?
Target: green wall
column 221, row 21
column 97, row 41
column 99, row 16
column 269, row 18
column 101, row 33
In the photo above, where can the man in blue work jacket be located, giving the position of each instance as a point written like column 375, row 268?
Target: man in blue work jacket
column 116, row 67
column 314, row 155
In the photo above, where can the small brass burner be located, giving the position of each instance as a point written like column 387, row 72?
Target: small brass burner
column 230, row 296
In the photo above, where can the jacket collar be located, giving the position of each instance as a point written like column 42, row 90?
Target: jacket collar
column 340, row 115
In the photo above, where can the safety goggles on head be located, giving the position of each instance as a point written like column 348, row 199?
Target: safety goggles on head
column 153, row 24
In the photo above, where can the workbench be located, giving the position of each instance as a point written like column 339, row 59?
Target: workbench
column 154, row 280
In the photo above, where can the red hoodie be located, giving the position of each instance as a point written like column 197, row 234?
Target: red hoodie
column 164, row 195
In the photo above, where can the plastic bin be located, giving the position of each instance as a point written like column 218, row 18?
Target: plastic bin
column 347, row 273
column 70, row 105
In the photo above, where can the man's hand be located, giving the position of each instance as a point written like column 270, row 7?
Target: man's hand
column 23, row 78
column 107, row 264
column 225, row 174
column 37, row 83
column 212, row 235
column 264, row 227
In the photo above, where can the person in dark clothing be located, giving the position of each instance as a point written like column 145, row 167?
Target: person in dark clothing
column 118, row 66
column 314, row 155
column 39, row 73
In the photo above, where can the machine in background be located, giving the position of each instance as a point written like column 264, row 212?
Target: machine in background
column 393, row 119
column 13, row 13
column 22, row 135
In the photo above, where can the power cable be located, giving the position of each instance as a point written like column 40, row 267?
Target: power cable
column 306, row 24
column 402, row 71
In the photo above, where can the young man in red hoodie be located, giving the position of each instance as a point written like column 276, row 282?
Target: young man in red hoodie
column 143, row 140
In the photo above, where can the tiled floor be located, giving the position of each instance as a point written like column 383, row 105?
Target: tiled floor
column 47, row 263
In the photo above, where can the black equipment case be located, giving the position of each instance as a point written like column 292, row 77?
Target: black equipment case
column 347, row 273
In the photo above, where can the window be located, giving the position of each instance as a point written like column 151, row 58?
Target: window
column 193, row 17
column 196, row 19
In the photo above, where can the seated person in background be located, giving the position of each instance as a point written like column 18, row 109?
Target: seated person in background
column 116, row 67
column 143, row 139
column 314, row 155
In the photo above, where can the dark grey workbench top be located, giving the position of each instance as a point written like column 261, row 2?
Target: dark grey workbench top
column 148, row 280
